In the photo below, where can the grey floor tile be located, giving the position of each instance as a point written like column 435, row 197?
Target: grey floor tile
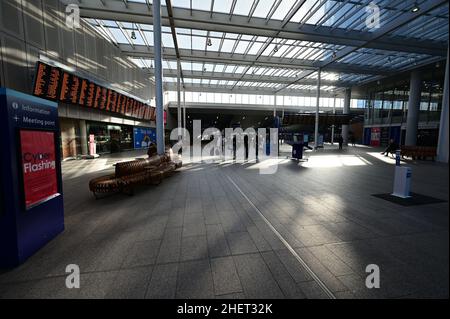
column 240, row 243
column 256, row 278
column 171, row 246
column 194, row 247
column 195, row 280
column 130, row 283
column 226, row 279
column 217, row 243
column 284, row 279
column 142, row 253
column 163, row 282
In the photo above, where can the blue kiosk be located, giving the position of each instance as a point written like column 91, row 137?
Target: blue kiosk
column 31, row 203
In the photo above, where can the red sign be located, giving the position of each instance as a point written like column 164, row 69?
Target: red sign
column 38, row 166
column 375, row 136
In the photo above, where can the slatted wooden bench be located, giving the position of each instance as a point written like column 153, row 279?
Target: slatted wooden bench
column 130, row 174
column 419, row 152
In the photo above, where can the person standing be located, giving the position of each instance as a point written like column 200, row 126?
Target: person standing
column 340, row 141
column 353, row 140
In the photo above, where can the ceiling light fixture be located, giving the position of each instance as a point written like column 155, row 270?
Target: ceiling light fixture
column 275, row 49
column 208, row 42
column 133, row 35
column 415, row 8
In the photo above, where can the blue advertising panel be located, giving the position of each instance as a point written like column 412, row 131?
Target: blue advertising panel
column 31, row 176
column 143, row 136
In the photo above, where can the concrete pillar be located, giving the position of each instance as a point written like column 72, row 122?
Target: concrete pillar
column 316, row 127
column 442, row 150
column 346, row 110
column 83, row 136
column 179, row 99
column 412, row 120
column 158, row 77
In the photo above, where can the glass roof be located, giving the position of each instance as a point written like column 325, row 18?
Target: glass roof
column 268, row 54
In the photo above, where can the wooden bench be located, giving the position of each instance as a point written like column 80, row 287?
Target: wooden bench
column 133, row 173
column 419, row 152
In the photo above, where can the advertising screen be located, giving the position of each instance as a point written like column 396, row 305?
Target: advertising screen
column 38, row 163
column 143, row 136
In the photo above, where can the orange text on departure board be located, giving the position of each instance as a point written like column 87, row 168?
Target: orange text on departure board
column 40, row 82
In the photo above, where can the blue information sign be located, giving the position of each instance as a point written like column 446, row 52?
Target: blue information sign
column 25, row 229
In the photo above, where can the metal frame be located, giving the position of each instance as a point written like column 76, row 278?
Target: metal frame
column 246, row 44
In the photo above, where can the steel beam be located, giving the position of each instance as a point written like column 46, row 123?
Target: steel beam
column 249, row 78
column 221, row 22
column 241, row 59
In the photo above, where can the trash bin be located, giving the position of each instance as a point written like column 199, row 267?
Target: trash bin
column 297, row 151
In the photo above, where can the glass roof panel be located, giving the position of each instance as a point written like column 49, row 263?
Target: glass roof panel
column 283, row 9
column 243, row 7
column 223, row 6
column 228, row 45
column 204, row 5
column 263, row 8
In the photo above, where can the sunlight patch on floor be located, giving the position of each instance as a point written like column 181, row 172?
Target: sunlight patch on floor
column 329, row 161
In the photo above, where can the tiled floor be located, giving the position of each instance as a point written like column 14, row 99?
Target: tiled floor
column 225, row 231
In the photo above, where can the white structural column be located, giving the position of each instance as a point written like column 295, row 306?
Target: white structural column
column 442, row 150
column 412, row 120
column 158, row 77
column 84, row 141
column 316, row 128
column 184, row 108
column 275, row 105
column 334, row 113
column 179, row 99
column 346, row 110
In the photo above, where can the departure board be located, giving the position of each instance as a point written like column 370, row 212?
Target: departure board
column 103, row 97
column 113, row 101
column 47, row 80
column 84, row 85
column 90, row 94
column 74, row 91
column 108, row 100
column 98, row 93
column 152, row 113
column 65, row 84
column 55, row 84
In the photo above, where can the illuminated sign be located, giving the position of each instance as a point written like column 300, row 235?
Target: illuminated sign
column 38, row 166
column 54, row 84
